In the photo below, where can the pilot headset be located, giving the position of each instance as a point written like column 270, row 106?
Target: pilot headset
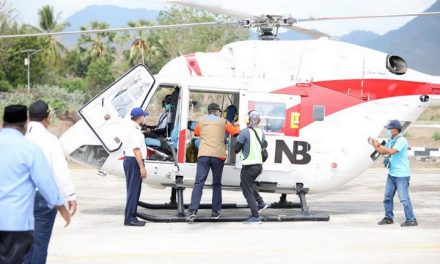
column 233, row 109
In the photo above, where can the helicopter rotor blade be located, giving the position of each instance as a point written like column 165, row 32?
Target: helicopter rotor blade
column 90, row 31
column 305, row 31
column 214, row 9
column 367, row 16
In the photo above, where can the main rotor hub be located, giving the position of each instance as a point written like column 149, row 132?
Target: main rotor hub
column 267, row 25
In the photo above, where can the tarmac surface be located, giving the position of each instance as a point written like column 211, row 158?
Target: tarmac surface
column 97, row 234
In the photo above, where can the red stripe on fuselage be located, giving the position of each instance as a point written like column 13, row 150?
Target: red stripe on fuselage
column 338, row 95
column 193, row 65
column 377, row 88
column 182, row 137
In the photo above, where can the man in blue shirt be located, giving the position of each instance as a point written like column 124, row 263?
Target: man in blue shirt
column 398, row 175
column 24, row 168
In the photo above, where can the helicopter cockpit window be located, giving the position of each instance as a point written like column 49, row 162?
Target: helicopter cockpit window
column 128, row 94
column 272, row 115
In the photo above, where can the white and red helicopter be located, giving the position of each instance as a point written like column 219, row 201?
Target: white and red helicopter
column 319, row 101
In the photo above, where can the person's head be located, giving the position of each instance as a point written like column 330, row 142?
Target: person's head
column 214, row 109
column 138, row 115
column 166, row 102
column 253, row 118
column 15, row 116
column 40, row 111
column 394, row 127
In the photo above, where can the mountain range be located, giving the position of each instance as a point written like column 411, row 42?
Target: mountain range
column 418, row 41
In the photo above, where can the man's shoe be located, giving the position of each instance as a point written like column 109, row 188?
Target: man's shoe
column 191, row 217
column 252, row 221
column 135, row 223
column 410, row 223
column 262, row 207
column 385, row 221
column 215, row 215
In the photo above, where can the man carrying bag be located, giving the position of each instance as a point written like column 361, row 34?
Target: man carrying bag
column 252, row 149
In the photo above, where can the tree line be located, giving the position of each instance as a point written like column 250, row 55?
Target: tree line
column 98, row 58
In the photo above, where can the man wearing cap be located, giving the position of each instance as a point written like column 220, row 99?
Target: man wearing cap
column 212, row 154
column 24, row 167
column 248, row 143
column 398, row 173
column 135, row 152
column 39, row 115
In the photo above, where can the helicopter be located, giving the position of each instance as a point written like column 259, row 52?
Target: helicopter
column 319, row 100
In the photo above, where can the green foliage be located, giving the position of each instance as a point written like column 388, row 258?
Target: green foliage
column 94, row 58
column 76, row 63
column 436, row 136
column 74, row 84
column 4, row 84
column 59, row 99
column 98, row 76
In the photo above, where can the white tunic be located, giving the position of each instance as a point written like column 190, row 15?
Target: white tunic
column 53, row 152
column 133, row 139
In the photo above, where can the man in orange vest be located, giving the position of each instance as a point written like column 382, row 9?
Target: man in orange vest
column 212, row 155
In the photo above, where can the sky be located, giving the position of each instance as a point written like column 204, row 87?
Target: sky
column 28, row 9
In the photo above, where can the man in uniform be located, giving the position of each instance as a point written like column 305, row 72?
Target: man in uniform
column 212, row 154
column 135, row 152
column 24, row 167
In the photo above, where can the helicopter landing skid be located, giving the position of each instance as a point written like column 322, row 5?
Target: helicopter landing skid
column 177, row 192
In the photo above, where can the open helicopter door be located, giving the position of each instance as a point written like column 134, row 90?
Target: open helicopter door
column 280, row 121
column 106, row 111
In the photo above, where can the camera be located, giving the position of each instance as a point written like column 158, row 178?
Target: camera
column 386, row 162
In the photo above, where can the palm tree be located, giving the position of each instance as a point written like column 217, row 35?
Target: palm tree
column 97, row 44
column 48, row 22
column 140, row 46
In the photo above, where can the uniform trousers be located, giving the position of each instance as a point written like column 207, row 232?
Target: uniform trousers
column 134, row 183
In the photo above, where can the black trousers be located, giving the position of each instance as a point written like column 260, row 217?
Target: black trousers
column 133, row 183
column 247, row 176
column 14, row 245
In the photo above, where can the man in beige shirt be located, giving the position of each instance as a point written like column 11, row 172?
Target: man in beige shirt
column 212, row 154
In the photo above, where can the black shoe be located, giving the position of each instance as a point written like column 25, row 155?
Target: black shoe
column 410, row 223
column 385, row 221
column 215, row 215
column 135, row 223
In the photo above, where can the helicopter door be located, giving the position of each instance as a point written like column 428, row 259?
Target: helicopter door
column 279, row 119
column 106, row 111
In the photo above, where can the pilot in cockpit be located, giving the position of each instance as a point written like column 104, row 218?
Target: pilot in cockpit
column 162, row 128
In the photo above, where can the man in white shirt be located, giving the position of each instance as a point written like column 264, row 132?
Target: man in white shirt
column 39, row 115
column 135, row 152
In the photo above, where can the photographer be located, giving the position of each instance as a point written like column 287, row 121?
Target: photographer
column 399, row 173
